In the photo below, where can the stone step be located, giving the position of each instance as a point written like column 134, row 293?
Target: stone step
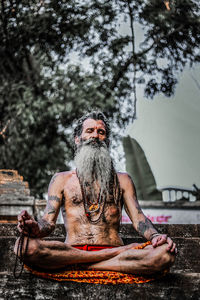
column 172, row 230
column 11, row 183
column 16, row 200
column 173, row 286
column 126, row 230
column 10, row 230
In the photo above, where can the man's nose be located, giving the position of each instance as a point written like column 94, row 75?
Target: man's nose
column 95, row 134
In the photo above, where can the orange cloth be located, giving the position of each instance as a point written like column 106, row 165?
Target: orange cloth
column 93, row 276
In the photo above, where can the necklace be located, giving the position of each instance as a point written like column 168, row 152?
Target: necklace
column 92, row 207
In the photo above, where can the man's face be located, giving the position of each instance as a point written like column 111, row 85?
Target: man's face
column 93, row 129
column 92, row 158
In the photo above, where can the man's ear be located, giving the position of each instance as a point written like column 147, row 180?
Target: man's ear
column 77, row 140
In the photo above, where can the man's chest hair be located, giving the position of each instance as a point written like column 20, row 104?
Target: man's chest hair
column 74, row 198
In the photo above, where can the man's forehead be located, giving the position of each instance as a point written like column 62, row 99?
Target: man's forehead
column 90, row 123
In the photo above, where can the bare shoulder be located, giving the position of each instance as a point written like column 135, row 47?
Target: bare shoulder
column 124, row 178
column 127, row 186
column 62, row 177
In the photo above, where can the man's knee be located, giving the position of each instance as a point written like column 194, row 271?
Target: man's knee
column 30, row 248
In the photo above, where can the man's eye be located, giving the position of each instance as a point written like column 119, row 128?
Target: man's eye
column 101, row 132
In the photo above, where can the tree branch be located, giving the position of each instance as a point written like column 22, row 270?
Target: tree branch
column 156, row 41
column 32, row 71
column 2, row 132
column 134, row 61
column 117, row 77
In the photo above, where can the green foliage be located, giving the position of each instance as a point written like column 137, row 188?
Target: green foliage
column 41, row 92
column 137, row 166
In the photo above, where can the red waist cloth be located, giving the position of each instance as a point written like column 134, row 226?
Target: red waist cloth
column 93, row 247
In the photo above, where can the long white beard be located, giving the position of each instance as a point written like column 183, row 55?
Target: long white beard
column 94, row 166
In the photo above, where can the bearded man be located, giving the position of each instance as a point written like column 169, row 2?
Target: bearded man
column 91, row 200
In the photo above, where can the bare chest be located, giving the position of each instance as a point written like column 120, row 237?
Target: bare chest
column 74, row 207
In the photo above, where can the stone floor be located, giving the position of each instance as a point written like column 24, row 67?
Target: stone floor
column 183, row 282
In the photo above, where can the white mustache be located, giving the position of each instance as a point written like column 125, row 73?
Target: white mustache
column 93, row 142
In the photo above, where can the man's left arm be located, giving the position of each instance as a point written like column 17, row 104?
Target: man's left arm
column 140, row 222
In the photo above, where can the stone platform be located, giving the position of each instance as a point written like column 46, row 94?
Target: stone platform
column 14, row 196
column 183, row 281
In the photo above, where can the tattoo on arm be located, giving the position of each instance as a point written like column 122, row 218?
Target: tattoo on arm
column 54, row 198
column 145, row 226
column 51, row 212
column 50, row 209
column 139, row 210
column 45, row 227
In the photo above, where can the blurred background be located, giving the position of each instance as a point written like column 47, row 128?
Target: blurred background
column 137, row 61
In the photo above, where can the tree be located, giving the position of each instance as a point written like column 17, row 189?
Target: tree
column 41, row 92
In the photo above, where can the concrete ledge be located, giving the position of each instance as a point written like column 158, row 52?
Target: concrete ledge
column 181, row 204
column 181, row 283
column 126, row 230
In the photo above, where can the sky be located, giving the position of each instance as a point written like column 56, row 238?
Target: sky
column 168, row 130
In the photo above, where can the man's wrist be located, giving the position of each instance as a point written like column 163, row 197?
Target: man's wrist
column 45, row 228
column 153, row 235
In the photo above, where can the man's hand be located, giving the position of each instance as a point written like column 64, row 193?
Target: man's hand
column 27, row 225
column 161, row 239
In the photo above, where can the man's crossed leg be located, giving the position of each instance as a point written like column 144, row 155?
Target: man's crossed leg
column 52, row 255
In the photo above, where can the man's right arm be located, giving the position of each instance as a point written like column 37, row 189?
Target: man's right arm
column 140, row 222
column 55, row 194
column 46, row 224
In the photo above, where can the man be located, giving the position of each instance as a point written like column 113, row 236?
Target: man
column 91, row 199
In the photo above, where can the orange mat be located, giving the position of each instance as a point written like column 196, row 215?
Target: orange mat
column 95, row 276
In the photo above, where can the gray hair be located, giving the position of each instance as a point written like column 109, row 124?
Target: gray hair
column 95, row 115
